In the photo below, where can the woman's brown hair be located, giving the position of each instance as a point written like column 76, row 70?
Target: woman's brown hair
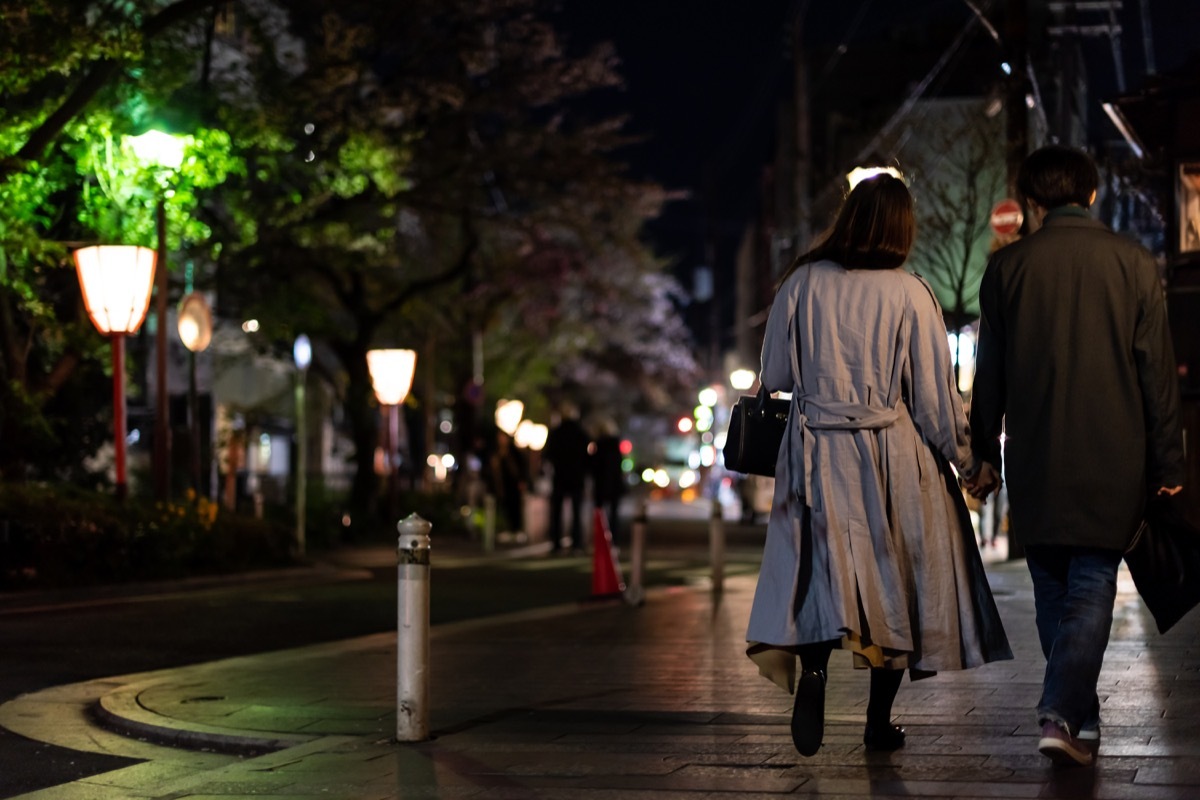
column 874, row 229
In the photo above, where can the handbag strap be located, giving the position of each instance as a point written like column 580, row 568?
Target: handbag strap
column 760, row 400
column 795, row 332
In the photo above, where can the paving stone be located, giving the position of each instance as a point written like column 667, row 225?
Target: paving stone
column 660, row 702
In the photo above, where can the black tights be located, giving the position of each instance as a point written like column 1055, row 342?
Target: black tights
column 885, row 683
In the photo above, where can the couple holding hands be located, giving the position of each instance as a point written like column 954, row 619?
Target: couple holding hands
column 870, row 546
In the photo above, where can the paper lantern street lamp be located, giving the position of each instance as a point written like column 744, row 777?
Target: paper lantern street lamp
column 116, row 281
column 392, row 377
column 391, row 374
column 508, row 415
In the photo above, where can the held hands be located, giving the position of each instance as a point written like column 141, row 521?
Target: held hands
column 983, row 482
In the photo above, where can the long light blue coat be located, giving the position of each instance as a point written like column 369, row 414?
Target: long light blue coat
column 869, row 540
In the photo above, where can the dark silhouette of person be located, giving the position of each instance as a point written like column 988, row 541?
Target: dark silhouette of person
column 567, row 453
column 507, row 477
column 608, row 479
column 1089, row 432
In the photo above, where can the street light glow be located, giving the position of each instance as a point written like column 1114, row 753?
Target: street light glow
column 116, row 282
column 159, row 149
column 742, row 379
column 391, row 374
column 508, row 415
column 531, row 435
column 302, row 351
column 860, row 174
column 195, row 322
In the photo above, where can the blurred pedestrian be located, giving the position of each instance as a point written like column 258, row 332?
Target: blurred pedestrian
column 566, row 452
column 1075, row 361
column 869, row 544
column 508, row 476
column 608, row 479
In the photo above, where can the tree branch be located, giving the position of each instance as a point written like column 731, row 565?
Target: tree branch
column 456, row 270
column 96, row 78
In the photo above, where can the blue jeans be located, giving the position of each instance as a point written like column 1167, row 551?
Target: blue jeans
column 1074, row 589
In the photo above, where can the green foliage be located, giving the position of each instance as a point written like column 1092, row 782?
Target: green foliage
column 59, row 536
column 367, row 172
column 84, row 186
column 120, row 192
column 367, row 161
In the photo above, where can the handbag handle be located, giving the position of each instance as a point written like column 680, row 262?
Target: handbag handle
column 760, row 400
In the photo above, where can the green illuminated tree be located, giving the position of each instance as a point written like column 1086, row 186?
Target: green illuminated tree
column 370, row 173
column 70, row 85
column 955, row 154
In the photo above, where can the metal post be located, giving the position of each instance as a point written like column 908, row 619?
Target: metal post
column 489, row 523
column 194, row 421
column 301, row 463
column 393, row 459
column 162, row 423
column 635, row 594
column 716, row 546
column 412, row 632
column 118, row 364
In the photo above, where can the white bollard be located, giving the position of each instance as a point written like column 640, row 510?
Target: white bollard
column 634, row 593
column 412, row 632
column 716, row 546
column 489, row 523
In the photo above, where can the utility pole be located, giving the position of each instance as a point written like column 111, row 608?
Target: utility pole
column 162, row 406
column 1016, row 35
column 802, row 168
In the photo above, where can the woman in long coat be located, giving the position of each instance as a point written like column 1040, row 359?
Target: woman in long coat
column 869, row 544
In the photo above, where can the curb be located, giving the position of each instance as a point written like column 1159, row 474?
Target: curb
column 120, row 712
column 26, row 602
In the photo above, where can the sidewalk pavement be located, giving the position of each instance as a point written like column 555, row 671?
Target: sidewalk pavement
column 606, row 701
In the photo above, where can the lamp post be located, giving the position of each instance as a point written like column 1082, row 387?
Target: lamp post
column 116, row 282
column 164, row 152
column 195, row 331
column 302, row 355
column 391, row 377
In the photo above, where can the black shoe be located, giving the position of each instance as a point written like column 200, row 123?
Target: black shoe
column 808, row 713
column 887, row 737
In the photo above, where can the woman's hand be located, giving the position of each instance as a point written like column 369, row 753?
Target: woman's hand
column 983, row 482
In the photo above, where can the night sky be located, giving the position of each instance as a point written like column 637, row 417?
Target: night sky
column 703, row 80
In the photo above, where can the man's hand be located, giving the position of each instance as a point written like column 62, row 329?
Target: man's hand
column 1170, row 490
column 983, row 482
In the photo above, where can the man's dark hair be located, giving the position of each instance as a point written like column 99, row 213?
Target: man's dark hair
column 1057, row 176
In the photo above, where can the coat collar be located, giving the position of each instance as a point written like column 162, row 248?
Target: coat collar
column 1068, row 211
column 1070, row 216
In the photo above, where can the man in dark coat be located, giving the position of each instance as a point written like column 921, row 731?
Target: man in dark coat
column 1075, row 367
column 567, row 452
column 608, row 479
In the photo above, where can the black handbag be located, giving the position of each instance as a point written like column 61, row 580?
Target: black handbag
column 1164, row 560
column 756, row 427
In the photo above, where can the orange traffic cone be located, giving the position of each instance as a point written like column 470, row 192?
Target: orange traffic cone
column 606, row 575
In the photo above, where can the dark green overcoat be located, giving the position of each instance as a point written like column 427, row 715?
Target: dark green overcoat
column 1075, row 367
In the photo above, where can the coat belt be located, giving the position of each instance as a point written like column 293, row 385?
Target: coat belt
column 836, row 416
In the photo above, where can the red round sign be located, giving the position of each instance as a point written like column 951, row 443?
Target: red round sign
column 1007, row 217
